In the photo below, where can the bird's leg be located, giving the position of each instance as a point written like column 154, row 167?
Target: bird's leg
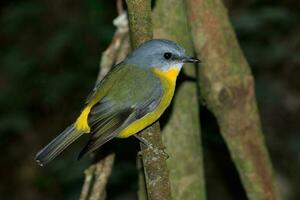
column 149, row 145
column 144, row 141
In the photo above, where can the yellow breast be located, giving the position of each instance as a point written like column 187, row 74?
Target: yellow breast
column 168, row 80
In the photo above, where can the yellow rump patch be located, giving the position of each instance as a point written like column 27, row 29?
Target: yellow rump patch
column 168, row 79
column 82, row 121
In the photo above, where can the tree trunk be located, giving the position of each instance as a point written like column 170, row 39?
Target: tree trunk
column 228, row 88
column 181, row 135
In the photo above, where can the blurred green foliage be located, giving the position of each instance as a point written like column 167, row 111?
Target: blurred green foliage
column 49, row 59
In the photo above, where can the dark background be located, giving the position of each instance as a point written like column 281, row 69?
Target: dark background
column 49, row 55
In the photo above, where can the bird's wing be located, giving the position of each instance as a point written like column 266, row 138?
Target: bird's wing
column 128, row 100
column 104, row 85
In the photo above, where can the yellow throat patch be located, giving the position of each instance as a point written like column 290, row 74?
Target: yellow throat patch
column 168, row 75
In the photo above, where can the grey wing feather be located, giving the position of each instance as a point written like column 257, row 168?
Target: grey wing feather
column 122, row 106
column 106, row 120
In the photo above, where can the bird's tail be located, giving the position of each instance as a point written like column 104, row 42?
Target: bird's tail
column 57, row 145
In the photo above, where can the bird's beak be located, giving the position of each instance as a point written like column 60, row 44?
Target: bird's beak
column 191, row 60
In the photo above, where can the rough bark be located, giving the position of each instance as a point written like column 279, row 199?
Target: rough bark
column 140, row 21
column 181, row 135
column 142, row 190
column 154, row 160
column 228, row 88
column 155, row 166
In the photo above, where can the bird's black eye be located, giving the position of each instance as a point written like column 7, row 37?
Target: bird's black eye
column 167, row 55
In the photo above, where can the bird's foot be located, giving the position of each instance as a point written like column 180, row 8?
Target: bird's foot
column 150, row 146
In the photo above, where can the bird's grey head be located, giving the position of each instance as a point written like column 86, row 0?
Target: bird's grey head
column 159, row 53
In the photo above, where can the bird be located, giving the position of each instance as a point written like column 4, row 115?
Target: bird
column 132, row 96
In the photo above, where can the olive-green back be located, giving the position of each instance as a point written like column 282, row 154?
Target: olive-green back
column 125, row 95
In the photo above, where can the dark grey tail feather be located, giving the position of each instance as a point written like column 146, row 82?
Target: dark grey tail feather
column 57, row 145
column 93, row 145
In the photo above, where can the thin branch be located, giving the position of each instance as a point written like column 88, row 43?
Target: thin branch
column 96, row 176
column 155, row 166
column 110, row 55
column 88, row 183
column 120, row 8
column 154, row 160
column 142, row 190
column 140, row 22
